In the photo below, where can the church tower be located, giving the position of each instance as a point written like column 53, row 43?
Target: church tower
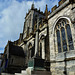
column 31, row 21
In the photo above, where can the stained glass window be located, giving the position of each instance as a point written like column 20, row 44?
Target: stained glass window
column 65, row 35
column 58, row 41
column 63, row 23
column 64, row 39
column 69, row 37
column 60, row 24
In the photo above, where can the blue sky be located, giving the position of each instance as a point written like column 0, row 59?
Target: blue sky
column 12, row 14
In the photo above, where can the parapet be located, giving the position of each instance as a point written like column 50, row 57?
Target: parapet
column 35, row 9
column 61, row 2
column 54, row 8
column 61, row 5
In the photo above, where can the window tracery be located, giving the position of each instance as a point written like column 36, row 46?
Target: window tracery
column 64, row 36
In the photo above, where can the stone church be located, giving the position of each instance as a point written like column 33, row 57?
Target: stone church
column 47, row 41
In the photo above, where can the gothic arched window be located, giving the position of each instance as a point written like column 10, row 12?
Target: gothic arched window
column 30, row 50
column 42, row 52
column 64, row 36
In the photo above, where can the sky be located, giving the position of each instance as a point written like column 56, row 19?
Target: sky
column 12, row 14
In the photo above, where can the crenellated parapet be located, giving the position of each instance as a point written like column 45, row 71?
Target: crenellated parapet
column 60, row 3
column 54, row 8
column 34, row 9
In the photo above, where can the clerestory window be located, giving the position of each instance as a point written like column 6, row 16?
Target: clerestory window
column 64, row 36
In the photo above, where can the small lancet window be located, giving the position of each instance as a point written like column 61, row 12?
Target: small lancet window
column 63, row 23
column 64, row 39
column 69, row 35
column 58, row 41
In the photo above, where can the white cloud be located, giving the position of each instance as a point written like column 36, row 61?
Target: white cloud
column 12, row 17
column 1, row 51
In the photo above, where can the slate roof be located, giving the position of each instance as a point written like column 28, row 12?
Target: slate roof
column 16, row 50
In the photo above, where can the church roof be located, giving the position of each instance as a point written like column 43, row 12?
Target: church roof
column 16, row 50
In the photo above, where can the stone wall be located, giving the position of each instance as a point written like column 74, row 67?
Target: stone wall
column 63, row 62
column 17, row 61
column 6, row 74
